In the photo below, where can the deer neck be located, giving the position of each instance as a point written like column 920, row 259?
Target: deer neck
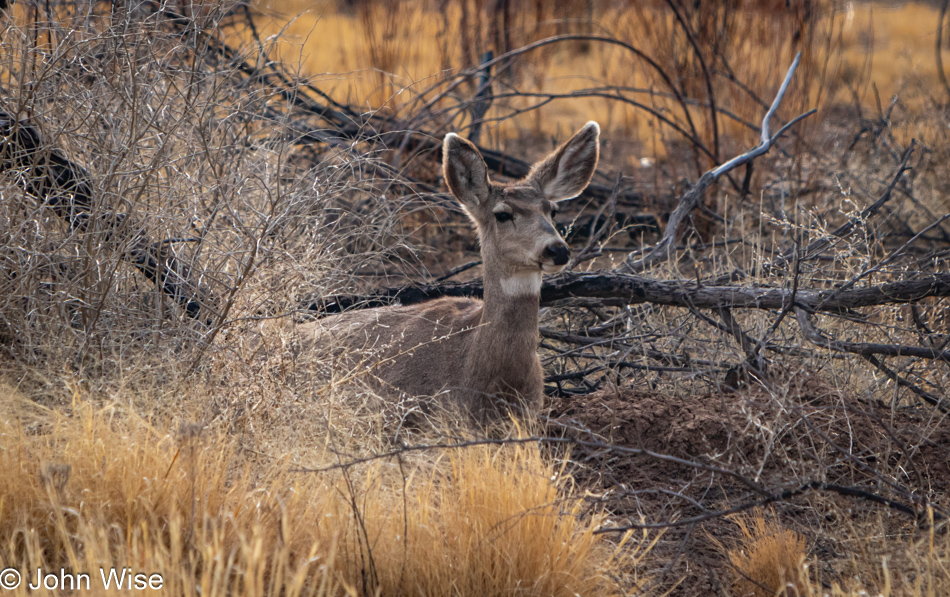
column 510, row 316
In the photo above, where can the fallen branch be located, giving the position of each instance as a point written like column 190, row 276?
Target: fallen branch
column 622, row 289
column 769, row 497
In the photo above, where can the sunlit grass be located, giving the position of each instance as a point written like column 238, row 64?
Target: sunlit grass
column 859, row 46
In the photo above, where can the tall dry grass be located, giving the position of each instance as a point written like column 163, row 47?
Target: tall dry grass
column 769, row 559
column 99, row 486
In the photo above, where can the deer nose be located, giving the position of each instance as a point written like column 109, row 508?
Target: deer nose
column 559, row 254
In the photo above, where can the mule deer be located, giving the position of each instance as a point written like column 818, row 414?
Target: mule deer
column 480, row 355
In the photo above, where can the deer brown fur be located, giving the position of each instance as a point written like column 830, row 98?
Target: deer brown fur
column 479, row 356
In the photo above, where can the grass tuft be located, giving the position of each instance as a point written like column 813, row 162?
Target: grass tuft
column 769, row 560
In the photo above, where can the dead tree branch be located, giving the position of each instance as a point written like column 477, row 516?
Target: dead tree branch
column 631, row 290
column 768, row 497
column 691, row 199
column 570, row 441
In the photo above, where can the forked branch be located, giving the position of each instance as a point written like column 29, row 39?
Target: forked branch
column 691, row 199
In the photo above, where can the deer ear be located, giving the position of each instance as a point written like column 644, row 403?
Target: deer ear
column 465, row 171
column 566, row 172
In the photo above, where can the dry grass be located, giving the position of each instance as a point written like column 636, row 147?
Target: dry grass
column 386, row 54
column 769, row 560
column 97, row 486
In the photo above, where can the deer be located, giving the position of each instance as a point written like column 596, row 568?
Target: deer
column 478, row 356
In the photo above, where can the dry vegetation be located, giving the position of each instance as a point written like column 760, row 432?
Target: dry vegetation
column 178, row 188
column 101, row 487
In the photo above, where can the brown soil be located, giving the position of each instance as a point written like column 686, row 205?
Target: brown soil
column 778, row 439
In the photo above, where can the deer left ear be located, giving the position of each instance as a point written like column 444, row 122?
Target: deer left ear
column 566, row 172
column 464, row 170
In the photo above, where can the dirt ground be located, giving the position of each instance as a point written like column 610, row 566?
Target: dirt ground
column 778, row 439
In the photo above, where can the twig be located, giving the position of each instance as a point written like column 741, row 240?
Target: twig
column 866, row 348
column 784, row 495
column 458, row 270
column 894, row 255
column 900, row 381
column 483, row 98
column 541, row 440
column 869, row 350
column 819, row 246
column 611, row 208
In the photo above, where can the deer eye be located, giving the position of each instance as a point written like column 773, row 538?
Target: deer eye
column 553, row 213
column 502, row 216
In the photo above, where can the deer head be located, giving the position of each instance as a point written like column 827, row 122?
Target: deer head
column 515, row 222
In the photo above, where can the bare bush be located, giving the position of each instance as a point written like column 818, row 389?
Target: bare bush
column 181, row 158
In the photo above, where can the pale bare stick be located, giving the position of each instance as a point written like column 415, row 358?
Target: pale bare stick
column 690, row 200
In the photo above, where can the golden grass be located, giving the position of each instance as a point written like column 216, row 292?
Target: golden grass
column 769, row 559
column 96, row 487
column 388, row 55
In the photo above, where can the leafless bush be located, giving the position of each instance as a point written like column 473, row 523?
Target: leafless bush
column 175, row 154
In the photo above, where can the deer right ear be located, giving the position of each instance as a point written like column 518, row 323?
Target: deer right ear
column 566, row 172
column 465, row 171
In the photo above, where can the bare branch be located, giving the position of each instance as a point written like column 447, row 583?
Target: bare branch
column 542, row 440
column 691, row 199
